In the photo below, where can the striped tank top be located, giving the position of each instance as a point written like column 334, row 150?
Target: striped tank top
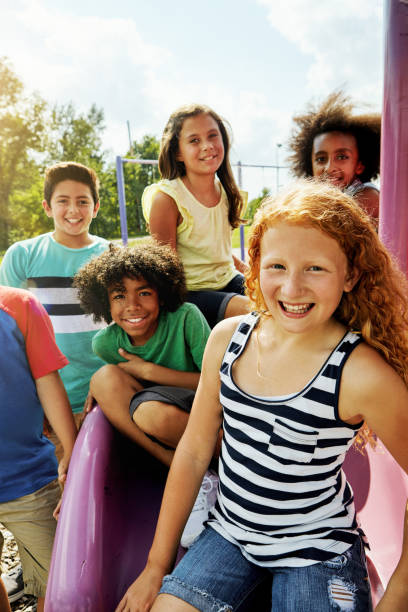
column 283, row 497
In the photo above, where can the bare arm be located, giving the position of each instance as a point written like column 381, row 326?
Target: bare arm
column 373, row 387
column 54, row 400
column 240, row 265
column 147, row 370
column 164, row 219
column 191, row 459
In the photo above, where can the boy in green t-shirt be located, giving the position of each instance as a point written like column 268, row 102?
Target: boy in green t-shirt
column 47, row 263
column 154, row 347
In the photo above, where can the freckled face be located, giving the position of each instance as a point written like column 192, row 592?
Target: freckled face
column 303, row 273
column 335, row 157
column 134, row 306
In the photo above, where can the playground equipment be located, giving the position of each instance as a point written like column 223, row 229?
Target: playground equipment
column 394, row 134
column 113, row 489
column 106, row 525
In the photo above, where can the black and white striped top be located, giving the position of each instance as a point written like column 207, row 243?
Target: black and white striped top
column 283, row 497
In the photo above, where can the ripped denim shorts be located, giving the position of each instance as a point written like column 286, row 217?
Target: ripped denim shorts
column 214, row 576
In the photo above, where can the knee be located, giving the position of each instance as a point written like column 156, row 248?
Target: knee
column 238, row 305
column 155, row 418
column 105, row 380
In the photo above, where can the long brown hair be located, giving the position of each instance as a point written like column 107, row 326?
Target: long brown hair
column 171, row 168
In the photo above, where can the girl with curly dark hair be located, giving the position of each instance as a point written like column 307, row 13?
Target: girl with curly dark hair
column 332, row 143
column 154, row 345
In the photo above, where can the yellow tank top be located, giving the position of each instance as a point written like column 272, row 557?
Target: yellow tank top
column 203, row 236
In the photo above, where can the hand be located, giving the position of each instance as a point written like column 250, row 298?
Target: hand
column 62, row 470
column 240, row 265
column 62, row 477
column 89, row 404
column 142, row 592
column 56, row 512
column 135, row 366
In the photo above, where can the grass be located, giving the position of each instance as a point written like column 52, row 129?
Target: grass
column 236, row 242
column 235, row 239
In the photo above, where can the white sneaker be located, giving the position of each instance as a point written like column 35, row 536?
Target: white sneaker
column 206, row 498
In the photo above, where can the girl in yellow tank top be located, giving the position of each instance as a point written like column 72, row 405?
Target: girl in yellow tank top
column 195, row 207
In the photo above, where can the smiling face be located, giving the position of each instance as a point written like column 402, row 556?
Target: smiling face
column 335, row 157
column 134, row 306
column 200, row 147
column 72, row 207
column 303, row 273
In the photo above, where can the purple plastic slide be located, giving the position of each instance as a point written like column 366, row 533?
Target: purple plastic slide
column 110, row 507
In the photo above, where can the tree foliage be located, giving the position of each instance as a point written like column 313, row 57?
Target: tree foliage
column 22, row 135
column 73, row 136
column 34, row 135
column 254, row 204
column 136, row 177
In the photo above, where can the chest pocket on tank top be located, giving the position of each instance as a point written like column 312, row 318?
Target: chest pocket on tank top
column 292, row 444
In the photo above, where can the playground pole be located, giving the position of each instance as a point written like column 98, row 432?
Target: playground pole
column 122, row 200
column 241, row 227
column 393, row 225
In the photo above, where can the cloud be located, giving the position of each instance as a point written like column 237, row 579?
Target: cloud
column 343, row 40
column 110, row 61
column 80, row 58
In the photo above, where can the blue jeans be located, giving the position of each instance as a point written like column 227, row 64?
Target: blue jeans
column 214, row 576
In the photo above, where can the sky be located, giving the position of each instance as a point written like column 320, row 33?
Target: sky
column 256, row 62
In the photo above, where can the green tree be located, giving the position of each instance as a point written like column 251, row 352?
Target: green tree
column 76, row 136
column 22, row 138
column 29, row 218
column 69, row 136
column 137, row 177
column 107, row 223
column 253, row 205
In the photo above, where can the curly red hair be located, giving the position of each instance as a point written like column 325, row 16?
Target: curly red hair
column 377, row 305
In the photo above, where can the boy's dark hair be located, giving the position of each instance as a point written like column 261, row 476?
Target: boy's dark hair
column 159, row 265
column 335, row 115
column 70, row 171
column 171, row 168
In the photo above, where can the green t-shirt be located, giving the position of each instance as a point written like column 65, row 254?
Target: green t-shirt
column 178, row 342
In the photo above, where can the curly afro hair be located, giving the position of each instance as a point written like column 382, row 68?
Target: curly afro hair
column 159, row 265
column 335, row 114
